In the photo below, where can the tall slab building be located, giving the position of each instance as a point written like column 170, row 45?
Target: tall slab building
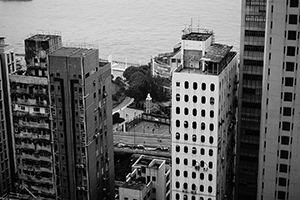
column 279, row 163
column 203, row 118
column 31, row 119
column 81, row 109
column 250, row 90
column 7, row 150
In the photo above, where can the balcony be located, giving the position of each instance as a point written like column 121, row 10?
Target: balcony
column 25, row 145
column 48, row 191
column 34, row 124
column 45, row 148
column 45, row 137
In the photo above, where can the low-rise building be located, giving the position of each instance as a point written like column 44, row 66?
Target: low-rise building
column 149, row 180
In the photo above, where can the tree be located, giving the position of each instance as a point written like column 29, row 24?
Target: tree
column 129, row 72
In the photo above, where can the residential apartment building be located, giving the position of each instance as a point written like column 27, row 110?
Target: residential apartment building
column 7, row 158
column 150, row 179
column 279, row 164
column 81, row 110
column 31, row 119
column 203, row 118
column 250, row 90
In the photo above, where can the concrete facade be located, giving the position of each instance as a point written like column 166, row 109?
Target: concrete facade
column 31, row 119
column 203, row 118
column 81, row 104
column 279, row 164
column 250, row 90
column 7, row 150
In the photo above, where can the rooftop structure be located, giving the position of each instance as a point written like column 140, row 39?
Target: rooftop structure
column 149, row 179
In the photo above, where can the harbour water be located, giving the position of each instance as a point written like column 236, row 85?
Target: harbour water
column 129, row 30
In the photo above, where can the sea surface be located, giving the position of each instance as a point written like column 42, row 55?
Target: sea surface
column 132, row 30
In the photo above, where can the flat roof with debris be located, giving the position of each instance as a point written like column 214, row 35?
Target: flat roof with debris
column 216, row 52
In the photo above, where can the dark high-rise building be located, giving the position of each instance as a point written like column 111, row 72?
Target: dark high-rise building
column 250, row 91
column 31, row 120
column 81, row 107
column 7, row 159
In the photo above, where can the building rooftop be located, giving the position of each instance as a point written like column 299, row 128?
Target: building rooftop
column 29, row 79
column 134, row 184
column 42, row 37
column 216, row 52
column 197, row 34
column 72, row 52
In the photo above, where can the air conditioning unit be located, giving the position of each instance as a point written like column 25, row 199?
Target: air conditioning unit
column 193, row 192
column 205, row 168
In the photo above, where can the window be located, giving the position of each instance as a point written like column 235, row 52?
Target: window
column 211, row 140
column 211, row 114
column 212, row 101
column 185, row 186
column 203, row 86
column 211, row 152
column 186, row 136
column 194, row 187
column 209, row 189
column 177, row 196
column 195, row 112
column 177, row 110
column 194, row 138
column 194, row 150
column 193, row 175
column 177, row 84
column 285, row 140
column 177, row 123
column 177, row 97
column 290, row 66
column 125, row 198
column 288, row 96
column 282, row 182
column 185, row 149
column 294, row 3
column 185, row 161
column 202, row 138
column 177, row 172
column 281, row 195
column 195, row 86
column 203, row 126
column 287, row 111
column 212, row 87
column 177, row 184
column 292, row 35
column 293, row 19
column 210, row 165
column 186, row 85
column 203, row 99
column 210, row 177
column 153, row 178
column 186, row 111
column 177, row 136
column 177, row 148
column 203, row 113
column 194, row 125
column 202, row 151
column 289, row 82
column 284, row 154
column 291, row 51
column 195, row 99
column 283, row 168
column 201, row 186
column 186, row 98
column 186, row 124
column 286, row 126
column 177, row 160
column 185, row 174
column 211, row 127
